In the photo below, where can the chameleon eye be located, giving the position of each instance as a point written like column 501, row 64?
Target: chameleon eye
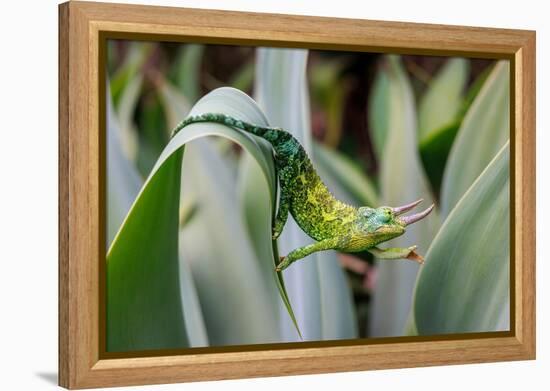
column 386, row 216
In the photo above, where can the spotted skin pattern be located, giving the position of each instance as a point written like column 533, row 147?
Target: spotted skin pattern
column 332, row 223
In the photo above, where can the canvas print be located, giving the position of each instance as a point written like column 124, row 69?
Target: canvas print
column 266, row 196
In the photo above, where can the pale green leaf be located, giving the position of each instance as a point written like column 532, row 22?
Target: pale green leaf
column 187, row 70
column 464, row 285
column 210, row 177
column 379, row 111
column 123, row 181
column 483, row 132
column 316, row 284
column 176, row 106
column 402, row 180
column 238, row 294
column 442, row 100
column 125, row 113
column 144, row 308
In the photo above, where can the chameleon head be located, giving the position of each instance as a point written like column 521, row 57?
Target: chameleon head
column 385, row 223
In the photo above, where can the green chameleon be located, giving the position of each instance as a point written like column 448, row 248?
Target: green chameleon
column 332, row 223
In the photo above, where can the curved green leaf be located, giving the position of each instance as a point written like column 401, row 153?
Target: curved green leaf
column 186, row 70
column 316, row 285
column 483, row 132
column 442, row 100
column 379, row 111
column 439, row 116
column 123, row 181
column 464, row 285
column 144, row 309
column 402, row 180
column 176, row 107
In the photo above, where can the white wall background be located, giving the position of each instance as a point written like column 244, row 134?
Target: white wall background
column 28, row 194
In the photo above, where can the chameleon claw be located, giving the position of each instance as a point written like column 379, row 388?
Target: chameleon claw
column 282, row 264
column 414, row 256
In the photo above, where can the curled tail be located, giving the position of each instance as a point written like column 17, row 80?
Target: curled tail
column 273, row 135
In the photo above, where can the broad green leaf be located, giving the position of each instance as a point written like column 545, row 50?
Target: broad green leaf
column 125, row 113
column 210, row 176
column 126, row 85
column 464, row 285
column 440, row 115
column 483, row 132
column 123, row 181
column 186, row 71
column 346, row 175
column 434, row 151
column 258, row 219
column 267, row 287
column 142, row 274
column 153, row 131
column 442, row 100
column 176, row 106
column 221, row 255
column 402, row 180
column 434, row 148
column 330, row 91
column 133, row 61
column 144, row 309
column 474, row 89
column 316, row 285
column 379, row 111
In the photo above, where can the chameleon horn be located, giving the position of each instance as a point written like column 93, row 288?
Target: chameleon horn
column 405, row 208
column 417, row 216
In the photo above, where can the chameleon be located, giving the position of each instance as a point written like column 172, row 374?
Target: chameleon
column 332, row 223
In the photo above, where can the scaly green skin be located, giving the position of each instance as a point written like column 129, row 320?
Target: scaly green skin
column 332, row 223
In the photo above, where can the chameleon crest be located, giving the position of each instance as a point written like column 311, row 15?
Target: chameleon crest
column 330, row 222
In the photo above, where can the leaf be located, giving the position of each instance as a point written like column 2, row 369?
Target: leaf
column 440, row 115
column 144, row 309
column 186, row 71
column 253, row 196
column 142, row 277
column 329, row 90
column 316, row 285
column 474, row 89
column 123, row 181
column 483, row 132
column 464, row 285
column 346, row 175
column 221, row 255
column 402, row 180
column 125, row 113
column 434, row 151
column 135, row 57
column 125, row 87
column 442, row 100
column 176, row 106
column 379, row 111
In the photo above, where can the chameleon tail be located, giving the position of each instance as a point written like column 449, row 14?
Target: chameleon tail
column 270, row 134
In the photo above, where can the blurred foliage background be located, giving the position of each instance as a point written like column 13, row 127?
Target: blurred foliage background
column 380, row 130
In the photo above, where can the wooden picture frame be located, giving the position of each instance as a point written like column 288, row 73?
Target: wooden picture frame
column 83, row 26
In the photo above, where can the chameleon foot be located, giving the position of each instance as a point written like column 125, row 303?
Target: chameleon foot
column 283, row 264
column 275, row 234
column 414, row 256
